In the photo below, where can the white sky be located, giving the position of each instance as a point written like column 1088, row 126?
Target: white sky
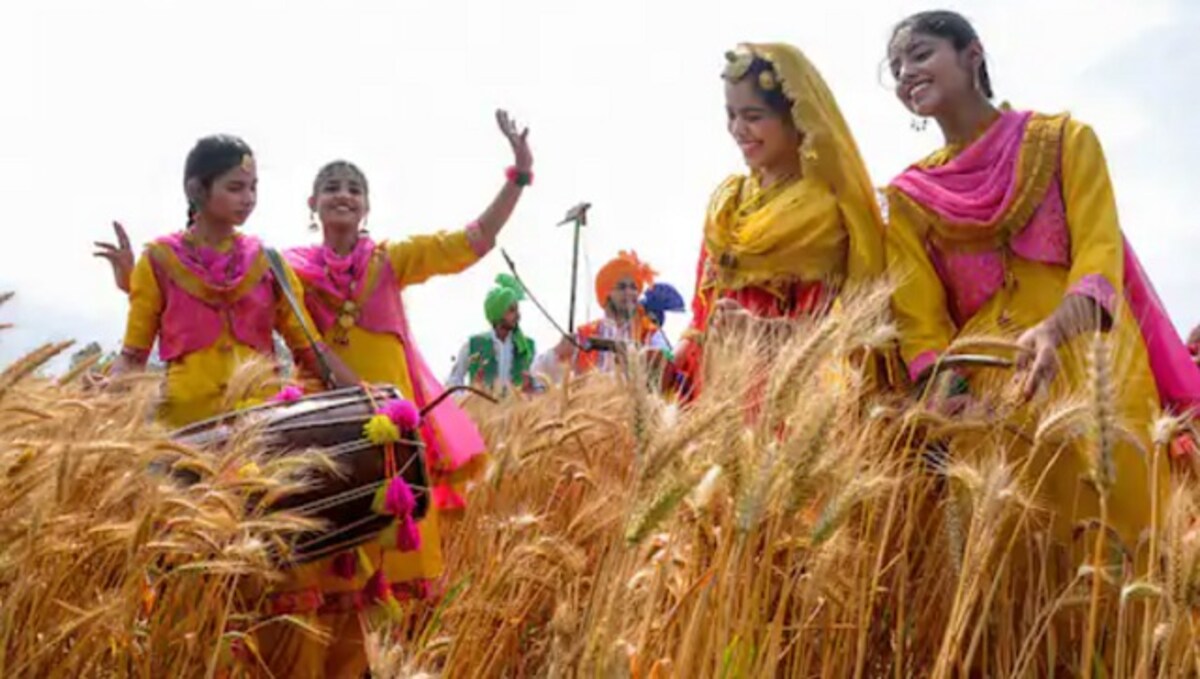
column 102, row 100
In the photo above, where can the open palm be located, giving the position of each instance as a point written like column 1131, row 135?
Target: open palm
column 518, row 138
column 119, row 256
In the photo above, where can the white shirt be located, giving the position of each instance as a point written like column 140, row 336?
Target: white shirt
column 503, row 348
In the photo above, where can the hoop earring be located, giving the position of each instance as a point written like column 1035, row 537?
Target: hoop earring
column 919, row 124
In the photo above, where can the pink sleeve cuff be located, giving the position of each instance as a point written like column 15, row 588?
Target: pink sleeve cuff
column 1098, row 289
column 921, row 363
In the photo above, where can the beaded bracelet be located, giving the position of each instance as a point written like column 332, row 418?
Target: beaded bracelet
column 519, row 177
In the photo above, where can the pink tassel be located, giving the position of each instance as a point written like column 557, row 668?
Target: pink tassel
column 408, row 537
column 378, row 588
column 344, row 565
column 289, row 394
column 400, row 502
column 446, row 498
column 403, row 413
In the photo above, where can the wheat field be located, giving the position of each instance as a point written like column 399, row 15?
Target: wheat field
column 796, row 520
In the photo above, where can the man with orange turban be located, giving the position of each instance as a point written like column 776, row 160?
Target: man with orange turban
column 625, row 324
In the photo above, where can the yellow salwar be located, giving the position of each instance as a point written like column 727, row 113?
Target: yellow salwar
column 1032, row 293
column 196, row 382
column 377, row 358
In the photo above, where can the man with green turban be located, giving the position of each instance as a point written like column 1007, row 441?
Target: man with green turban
column 498, row 360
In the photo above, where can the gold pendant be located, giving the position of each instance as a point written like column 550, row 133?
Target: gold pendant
column 346, row 321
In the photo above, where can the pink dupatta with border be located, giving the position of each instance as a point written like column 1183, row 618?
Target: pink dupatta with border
column 979, row 185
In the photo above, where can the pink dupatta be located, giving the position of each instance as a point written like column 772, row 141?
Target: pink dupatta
column 976, row 188
column 450, row 436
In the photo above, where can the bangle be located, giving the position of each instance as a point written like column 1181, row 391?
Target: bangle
column 519, row 177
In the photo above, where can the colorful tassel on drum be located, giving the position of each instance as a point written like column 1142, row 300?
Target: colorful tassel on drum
column 403, row 413
column 289, row 394
column 381, row 430
column 345, row 565
column 249, row 471
column 400, row 502
column 378, row 589
column 391, row 606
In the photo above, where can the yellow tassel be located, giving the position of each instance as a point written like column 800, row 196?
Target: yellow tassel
column 380, row 430
column 364, row 561
column 377, row 504
column 393, row 609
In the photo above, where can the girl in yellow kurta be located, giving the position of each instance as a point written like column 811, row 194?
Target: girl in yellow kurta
column 207, row 295
column 352, row 289
column 783, row 240
column 1012, row 228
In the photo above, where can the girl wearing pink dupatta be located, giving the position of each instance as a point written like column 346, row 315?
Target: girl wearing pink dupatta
column 1012, row 229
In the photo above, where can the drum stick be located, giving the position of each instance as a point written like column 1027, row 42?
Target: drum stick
column 281, row 277
column 529, row 293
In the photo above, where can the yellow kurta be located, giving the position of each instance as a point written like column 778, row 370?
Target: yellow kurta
column 376, row 358
column 196, row 382
column 921, row 308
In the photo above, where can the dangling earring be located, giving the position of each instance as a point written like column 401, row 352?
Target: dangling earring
column 312, row 222
column 919, row 124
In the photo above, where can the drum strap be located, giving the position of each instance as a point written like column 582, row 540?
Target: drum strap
column 285, row 285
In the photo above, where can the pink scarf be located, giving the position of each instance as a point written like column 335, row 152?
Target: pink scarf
column 218, row 270
column 974, row 190
column 320, row 267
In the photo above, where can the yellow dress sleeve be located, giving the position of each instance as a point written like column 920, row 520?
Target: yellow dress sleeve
column 289, row 326
column 919, row 299
column 419, row 258
column 145, row 306
column 1097, row 246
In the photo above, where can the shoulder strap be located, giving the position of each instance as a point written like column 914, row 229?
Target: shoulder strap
column 275, row 261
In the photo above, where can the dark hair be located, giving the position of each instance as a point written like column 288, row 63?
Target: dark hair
column 210, row 158
column 340, row 166
column 953, row 27
column 774, row 97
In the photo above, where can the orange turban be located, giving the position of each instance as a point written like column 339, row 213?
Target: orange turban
column 625, row 264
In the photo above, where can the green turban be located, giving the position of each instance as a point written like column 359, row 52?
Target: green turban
column 506, row 293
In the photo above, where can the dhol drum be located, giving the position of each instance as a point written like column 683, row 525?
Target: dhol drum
column 333, row 423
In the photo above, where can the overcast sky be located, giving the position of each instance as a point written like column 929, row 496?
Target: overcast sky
column 102, row 100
